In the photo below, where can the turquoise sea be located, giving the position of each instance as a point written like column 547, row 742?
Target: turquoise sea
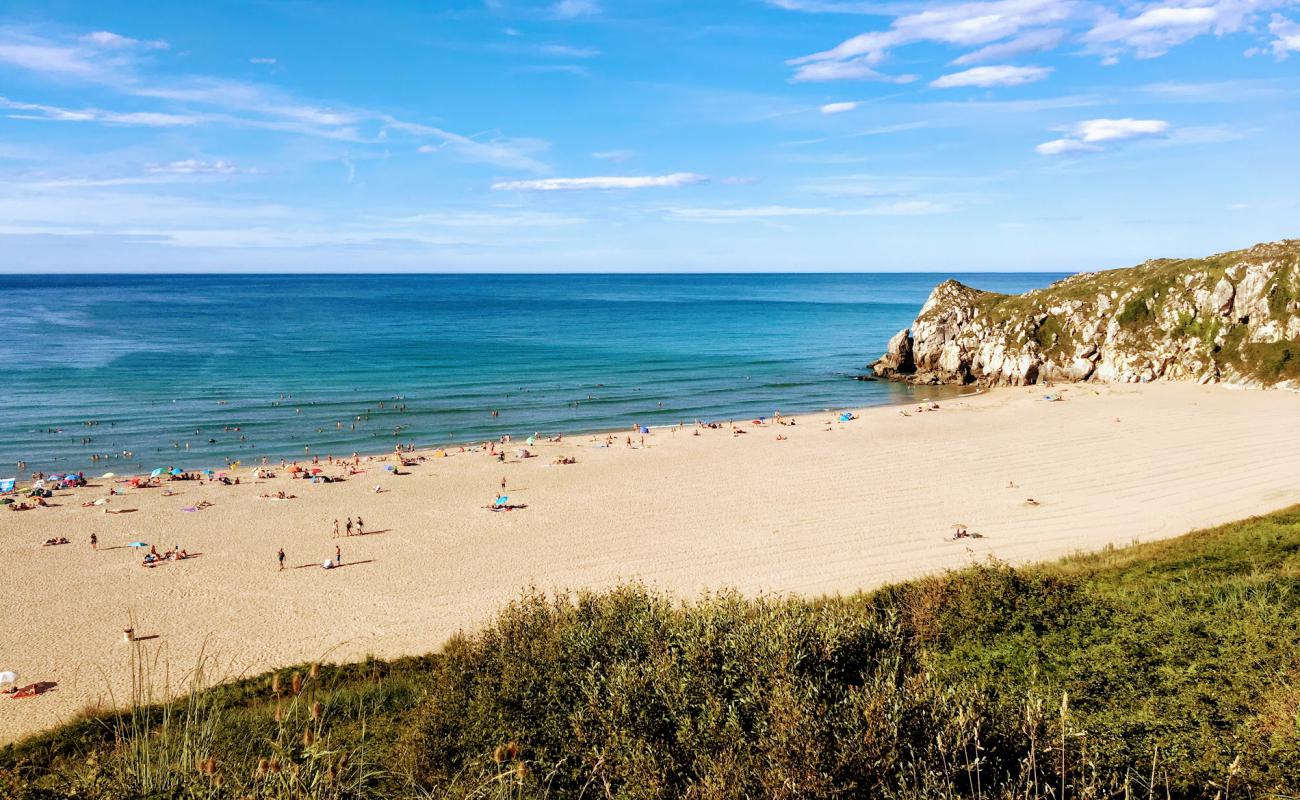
column 161, row 362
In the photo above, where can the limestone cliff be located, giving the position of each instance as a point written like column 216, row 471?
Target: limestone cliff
column 1233, row 317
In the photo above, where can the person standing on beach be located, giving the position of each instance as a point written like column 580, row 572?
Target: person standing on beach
column 338, row 555
column 361, row 527
column 94, row 542
column 336, row 529
column 503, row 485
column 281, row 557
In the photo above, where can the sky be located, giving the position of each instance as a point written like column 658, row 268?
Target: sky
column 647, row 136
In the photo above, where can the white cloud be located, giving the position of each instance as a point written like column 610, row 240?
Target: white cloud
column 261, row 60
column 151, row 119
column 854, row 69
column 1029, row 42
column 1058, row 147
column 192, row 166
column 511, row 153
column 838, row 108
column 1288, row 36
column 831, row 7
column 1086, row 135
column 961, row 24
column 1111, row 130
column 110, row 39
column 615, row 156
column 567, row 51
column 49, row 59
column 571, row 9
column 1157, row 29
column 992, row 76
column 106, row 60
column 601, row 182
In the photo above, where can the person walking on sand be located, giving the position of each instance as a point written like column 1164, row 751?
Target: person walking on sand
column 503, row 485
column 281, row 557
column 361, row 527
column 336, row 529
column 94, row 542
column 349, row 526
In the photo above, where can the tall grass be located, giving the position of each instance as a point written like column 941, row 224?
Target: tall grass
column 1169, row 670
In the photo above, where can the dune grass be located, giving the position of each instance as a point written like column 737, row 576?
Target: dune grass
column 1166, row 670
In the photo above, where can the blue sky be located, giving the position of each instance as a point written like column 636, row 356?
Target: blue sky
column 595, row 135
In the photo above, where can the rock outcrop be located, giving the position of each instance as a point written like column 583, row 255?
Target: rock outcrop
column 1233, row 317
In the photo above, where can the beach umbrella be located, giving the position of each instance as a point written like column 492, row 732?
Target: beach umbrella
column 8, row 677
column 502, row 500
column 155, row 473
column 388, row 467
column 109, row 475
column 315, row 470
column 207, row 472
column 176, row 471
column 138, row 544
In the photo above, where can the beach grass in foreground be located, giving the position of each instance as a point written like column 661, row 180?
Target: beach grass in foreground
column 1166, row 669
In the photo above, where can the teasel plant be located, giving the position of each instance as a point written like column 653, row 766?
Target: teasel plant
column 301, row 760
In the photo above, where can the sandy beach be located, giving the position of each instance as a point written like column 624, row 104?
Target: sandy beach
column 833, row 507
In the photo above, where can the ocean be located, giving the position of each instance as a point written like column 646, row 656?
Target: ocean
column 193, row 371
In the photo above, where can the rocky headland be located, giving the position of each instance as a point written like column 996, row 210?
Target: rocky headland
column 1232, row 318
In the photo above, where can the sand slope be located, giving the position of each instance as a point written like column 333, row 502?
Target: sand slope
column 825, row 511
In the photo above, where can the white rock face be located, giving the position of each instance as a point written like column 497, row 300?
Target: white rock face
column 1233, row 317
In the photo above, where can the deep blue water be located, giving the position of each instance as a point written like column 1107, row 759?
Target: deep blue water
column 161, row 361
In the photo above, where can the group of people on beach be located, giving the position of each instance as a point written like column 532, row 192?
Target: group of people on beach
column 350, row 528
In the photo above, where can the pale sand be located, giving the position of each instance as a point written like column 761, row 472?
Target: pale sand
column 823, row 512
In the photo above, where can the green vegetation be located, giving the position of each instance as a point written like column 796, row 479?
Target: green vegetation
column 1142, row 301
column 1200, row 328
column 1165, row 670
column 1137, row 311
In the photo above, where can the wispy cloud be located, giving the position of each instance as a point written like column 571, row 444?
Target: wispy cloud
column 601, row 182
column 261, row 60
column 1158, row 28
column 1087, row 136
column 975, row 24
column 1287, row 33
column 992, row 76
column 568, row 51
column 110, row 39
column 1029, row 42
column 112, row 61
column 194, row 166
column 151, row 119
column 614, row 156
column 572, row 9
column 838, row 108
column 834, row 6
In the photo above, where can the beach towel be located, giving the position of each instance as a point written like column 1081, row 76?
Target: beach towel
column 7, row 485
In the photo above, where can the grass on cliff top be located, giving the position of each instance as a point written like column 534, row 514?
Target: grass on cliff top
column 1169, row 669
column 1151, row 279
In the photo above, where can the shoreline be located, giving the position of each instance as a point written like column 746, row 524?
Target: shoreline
column 832, row 508
column 23, row 483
